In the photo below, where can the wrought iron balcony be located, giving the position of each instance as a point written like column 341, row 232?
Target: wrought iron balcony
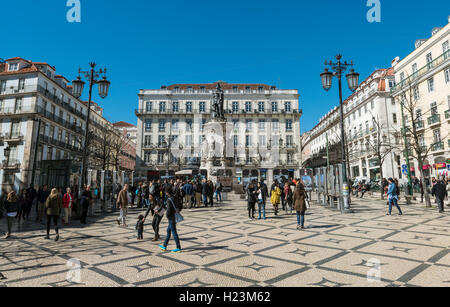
column 13, row 137
column 11, row 164
column 420, row 125
column 437, row 147
column 443, row 58
column 447, row 114
column 434, row 119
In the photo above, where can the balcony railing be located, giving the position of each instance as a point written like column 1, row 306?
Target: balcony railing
column 447, row 114
column 437, row 146
column 434, row 119
column 16, row 110
column 420, row 125
column 11, row 164
column 60, row 102
column 444, row 57
column 18, row 90
column 12, row 136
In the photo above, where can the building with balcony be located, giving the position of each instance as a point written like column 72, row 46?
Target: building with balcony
column 423, row 80
column 261, row 116
column 42, row 124
column 369, row 113
column 128, row 138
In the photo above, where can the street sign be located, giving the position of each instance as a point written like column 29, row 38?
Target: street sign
column 405, row 169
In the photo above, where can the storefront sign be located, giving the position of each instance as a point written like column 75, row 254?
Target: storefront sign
column 440, row 165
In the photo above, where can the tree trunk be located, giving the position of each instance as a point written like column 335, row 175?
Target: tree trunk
column 381, row 185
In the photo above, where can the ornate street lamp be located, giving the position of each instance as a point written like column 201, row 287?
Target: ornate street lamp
column 327, row 79
column 338, row 68
column 77, row 91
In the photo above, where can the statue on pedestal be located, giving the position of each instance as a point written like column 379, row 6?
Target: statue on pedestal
column 218, row 103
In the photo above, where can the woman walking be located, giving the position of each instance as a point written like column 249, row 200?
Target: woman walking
column 157, row 208
column 393, row 196
column 261, row 202
column 21, row 202
column 251, row 200
column 67, row 206
column 53, row 205
column 299, row 200
column 275, row 197
column 172, row 209
column 12, row 209
column 287, row 195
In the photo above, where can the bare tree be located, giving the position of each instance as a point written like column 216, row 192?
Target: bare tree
column 416, row 130
column 378, row 143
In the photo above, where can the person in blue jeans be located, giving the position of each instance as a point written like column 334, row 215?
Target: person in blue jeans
column 172, row 208
column 299, row 204
column 393, row 196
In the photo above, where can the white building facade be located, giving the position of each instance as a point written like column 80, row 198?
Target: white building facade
column 41, row 123
column 425, row 73
column 262, row 116
column 367, row 109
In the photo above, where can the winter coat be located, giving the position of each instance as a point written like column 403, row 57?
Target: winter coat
column 122, row 199
column 172, row 206
column 66, row 200
column 11, row 207
column 275, row 199
column 439, row 190
column 188, row 189
column 299, row 200
column 53, row 205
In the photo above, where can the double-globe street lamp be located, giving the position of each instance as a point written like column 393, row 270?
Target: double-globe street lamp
column 77, row 90
column 338, row 68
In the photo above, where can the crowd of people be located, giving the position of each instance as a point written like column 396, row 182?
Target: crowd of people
column 52, row 206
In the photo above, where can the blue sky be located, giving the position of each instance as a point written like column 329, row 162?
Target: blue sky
column 146, row 44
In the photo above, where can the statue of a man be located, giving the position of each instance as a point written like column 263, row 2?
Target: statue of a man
column 218, row 104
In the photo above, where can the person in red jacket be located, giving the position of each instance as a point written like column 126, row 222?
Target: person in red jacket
column 67, row 206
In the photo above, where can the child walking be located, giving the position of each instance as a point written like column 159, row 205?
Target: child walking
column 140, row 227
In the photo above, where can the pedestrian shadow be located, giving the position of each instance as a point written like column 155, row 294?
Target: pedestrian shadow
column 208, row 248
column 322, row 226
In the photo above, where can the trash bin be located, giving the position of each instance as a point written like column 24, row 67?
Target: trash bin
column 224, row 196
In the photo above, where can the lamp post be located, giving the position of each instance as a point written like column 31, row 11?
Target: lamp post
column 103, row 87
column 338, row 68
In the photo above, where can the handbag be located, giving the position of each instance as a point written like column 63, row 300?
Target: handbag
column 308, row 205
column 178, row 217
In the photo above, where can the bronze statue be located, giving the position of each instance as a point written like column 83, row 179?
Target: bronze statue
column 218, row 103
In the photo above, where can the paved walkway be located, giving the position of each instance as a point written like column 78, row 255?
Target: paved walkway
column 223, row 248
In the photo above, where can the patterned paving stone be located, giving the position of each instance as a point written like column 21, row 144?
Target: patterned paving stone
column 221, row 247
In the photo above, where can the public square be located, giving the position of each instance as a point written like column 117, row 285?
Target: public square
column 222, row 248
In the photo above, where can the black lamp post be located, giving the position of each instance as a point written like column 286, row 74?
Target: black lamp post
column 338, row 68
column 103, row 87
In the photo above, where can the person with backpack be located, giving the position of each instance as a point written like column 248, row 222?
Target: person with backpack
column 53, row 207
column 172, row 211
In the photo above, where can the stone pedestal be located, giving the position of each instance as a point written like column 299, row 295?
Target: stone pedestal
column 218, row 152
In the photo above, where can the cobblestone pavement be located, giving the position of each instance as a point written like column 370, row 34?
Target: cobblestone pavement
column 223, row 248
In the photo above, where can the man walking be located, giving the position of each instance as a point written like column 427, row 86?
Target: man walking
column 42, row 198
column 86, row 199
column 188, row 190
column 122, row 204
column 440, row 192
